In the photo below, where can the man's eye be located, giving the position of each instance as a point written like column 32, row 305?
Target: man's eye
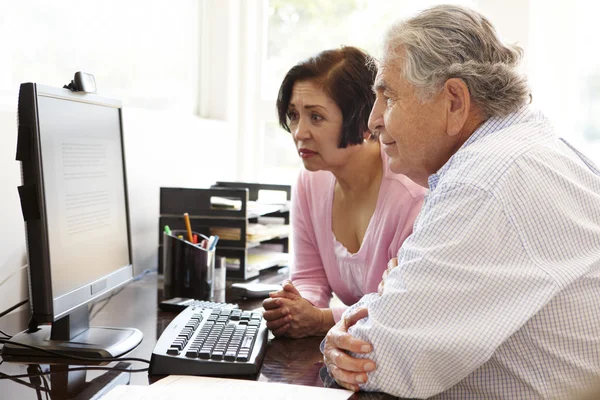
column 388, row 99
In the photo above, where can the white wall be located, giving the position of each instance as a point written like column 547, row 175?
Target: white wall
column 162, row 149
column 13, row 278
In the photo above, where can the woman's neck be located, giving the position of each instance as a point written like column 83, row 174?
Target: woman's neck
column 362, row 171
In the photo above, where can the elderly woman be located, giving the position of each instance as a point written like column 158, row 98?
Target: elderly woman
column 350, row 214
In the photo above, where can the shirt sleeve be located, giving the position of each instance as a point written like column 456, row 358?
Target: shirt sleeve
column 308, row 272
column 464, row 284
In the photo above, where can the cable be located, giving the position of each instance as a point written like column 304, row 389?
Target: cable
column 18, row 381
column 105, row 301
column 35, row 379
column 5, row 334
column 46, row 385
column 55, row 353
column 143, row 274
column 3, row 313
column 75, row 369
column 13, row 274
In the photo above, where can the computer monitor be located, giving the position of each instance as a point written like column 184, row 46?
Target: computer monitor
column 74, row 203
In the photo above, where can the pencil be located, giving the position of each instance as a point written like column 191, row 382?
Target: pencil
column 188, row 226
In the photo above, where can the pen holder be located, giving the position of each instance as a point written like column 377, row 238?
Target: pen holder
column 188, row 268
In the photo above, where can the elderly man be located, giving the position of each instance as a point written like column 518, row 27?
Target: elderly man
column 497, row 292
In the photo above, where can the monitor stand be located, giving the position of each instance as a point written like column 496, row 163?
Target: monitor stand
column 72, row 335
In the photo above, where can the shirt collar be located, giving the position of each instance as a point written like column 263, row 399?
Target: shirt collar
column 490, row 126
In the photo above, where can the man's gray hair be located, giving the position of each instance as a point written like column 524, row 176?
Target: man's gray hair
column 451, row 41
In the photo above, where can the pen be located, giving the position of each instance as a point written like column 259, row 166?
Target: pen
column 195, row 237
column 213, row 243
column 167, row 230
column 188, row 226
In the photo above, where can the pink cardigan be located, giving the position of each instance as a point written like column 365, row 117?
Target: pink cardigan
column 320, row 265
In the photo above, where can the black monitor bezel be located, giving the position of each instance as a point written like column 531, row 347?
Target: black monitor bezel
column 45, row 307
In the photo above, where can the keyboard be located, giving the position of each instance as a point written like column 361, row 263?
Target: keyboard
column 209, row 342
column 178, row 304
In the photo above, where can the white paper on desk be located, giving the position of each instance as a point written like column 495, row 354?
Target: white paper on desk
column 179, row 387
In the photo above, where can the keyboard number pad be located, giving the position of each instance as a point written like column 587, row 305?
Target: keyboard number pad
column 226, row 335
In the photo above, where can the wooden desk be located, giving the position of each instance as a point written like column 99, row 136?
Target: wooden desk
column 294, row 361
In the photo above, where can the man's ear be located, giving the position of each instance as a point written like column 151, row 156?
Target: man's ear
column 458, row 104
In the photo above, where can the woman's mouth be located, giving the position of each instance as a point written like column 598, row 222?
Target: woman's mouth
column 306, row 153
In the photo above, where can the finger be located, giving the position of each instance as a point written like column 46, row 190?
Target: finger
column 393, row 263
column 289, row 287
column 284, row 294
column 385, row 274
column 278, row 293
column 356, row 316
column 343, row 340
column 348, row 386
column 277, row 313
column 349, row 380
column 380, row 288
column 278, row 323
column 271, row 304
column 348, row 363
column 281, row 331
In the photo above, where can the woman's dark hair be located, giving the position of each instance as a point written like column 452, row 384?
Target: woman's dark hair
column 346, row 75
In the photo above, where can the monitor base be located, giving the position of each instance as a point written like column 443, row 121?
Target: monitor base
column 94, row 342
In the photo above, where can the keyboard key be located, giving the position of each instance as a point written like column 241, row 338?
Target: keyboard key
column 230, row 355
column 242, row 356
column 174, row 351
column 192, row 353
column 247, row 342
column 204, row 354
column 217, row 355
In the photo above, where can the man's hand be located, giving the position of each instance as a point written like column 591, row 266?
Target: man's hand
column 393, row 263
column 288, row 313
column 346, row 370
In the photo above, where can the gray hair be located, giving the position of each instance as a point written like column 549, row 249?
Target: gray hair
column 451, row 41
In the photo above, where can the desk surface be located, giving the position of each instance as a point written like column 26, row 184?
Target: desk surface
column 294, row 361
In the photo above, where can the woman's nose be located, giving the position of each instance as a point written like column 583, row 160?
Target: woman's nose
column 301, row 132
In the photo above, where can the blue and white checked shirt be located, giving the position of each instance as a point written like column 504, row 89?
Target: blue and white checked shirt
column 497, row 291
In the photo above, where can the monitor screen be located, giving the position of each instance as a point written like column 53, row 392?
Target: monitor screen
column 74, row 203
column 71, row 148
column 84, row 190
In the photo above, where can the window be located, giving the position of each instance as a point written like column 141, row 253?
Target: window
column 298, row 29
column 142, row 52
column 565, row 69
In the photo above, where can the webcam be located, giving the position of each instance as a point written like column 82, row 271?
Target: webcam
column 83, row 82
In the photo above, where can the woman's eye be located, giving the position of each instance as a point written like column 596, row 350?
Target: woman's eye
column 292, row 116
column 316, row 118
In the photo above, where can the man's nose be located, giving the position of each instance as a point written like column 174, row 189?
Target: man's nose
column 376, row 117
